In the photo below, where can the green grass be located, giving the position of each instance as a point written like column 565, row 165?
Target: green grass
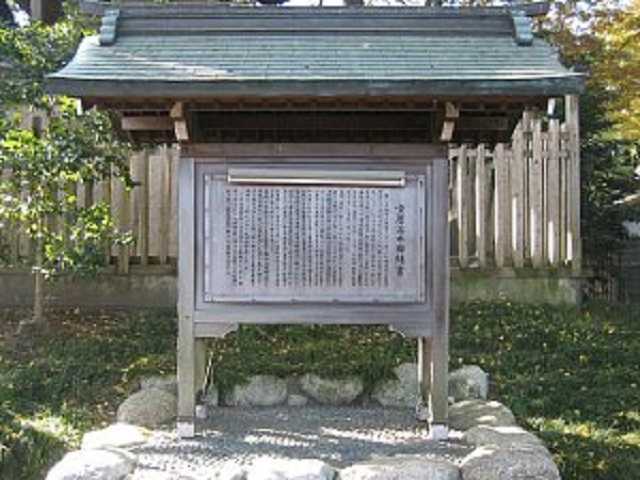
column 571, row 375
column 72, row 380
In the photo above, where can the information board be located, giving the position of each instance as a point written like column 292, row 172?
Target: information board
column 313, row 243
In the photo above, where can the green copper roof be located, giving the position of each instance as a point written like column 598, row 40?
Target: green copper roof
column 174, row 52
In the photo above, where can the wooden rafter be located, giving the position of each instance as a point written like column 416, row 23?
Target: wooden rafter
column 181, row 127
column 452, row 113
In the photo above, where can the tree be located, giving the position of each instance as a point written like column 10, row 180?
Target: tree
column 6, row 16
column 46, row 163
column 618, row 70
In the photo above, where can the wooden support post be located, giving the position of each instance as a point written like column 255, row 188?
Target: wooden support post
column 187, row 356
column 574, row 242
column 439, row 391
column 424, row 377
column 200, row 365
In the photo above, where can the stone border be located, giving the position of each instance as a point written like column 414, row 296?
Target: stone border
column 503, row 450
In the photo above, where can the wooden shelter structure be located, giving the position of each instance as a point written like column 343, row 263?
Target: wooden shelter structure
column 314, row 154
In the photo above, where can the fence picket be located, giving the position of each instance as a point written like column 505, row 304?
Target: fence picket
column 553, row 194
column 536, row 216
column 481, row 204
column 462, row 178
column 517, row 199
column 508, row 204
column 502, row 207
column 142, row 198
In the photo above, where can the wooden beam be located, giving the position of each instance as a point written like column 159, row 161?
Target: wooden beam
column 451, row 110
column 483, row 123
column 181, row 128
column 447, row 130
column 153, row 123
column 452, row 113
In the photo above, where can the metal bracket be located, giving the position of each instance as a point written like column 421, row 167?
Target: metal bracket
column 344, row 178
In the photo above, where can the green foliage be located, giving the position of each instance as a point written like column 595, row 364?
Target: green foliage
column 369, row 352
column 73, row 381
column 31, row 53
column 41, row 191
column 47, row 164
column 571, row 375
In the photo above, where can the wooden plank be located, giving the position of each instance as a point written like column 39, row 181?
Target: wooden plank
column 186, row 302
column 527, row 149
column 88, row 194
column 165, row 203
column 146, row 122
column 553, row 194
column 173, row 217
column 107, row 196
column 439, row 399
column 124, row 214
column 462, row 205
column 178, row 114
column 481, row 204
column 517, row 198
column 483, row 123
column 453, row 200
column 502, row 207
column 536, row 212
column 447, row 130
column 489, row 206
column 564, row 193
column 572, row 116
column 471, row 205
column 143, row 205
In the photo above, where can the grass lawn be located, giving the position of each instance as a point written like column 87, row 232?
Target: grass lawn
column 573, row 376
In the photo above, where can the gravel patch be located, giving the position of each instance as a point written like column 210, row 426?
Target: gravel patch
column 340, row 436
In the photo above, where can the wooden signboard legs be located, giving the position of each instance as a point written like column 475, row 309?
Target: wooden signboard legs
column 432, row 323
column 187, row 346
column 433, row 352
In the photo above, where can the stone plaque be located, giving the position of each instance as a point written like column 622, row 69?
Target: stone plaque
column 313, row 243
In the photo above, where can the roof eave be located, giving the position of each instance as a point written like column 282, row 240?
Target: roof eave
column 118, row 89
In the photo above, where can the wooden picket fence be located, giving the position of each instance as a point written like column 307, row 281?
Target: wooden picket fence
column 511, row 205
column 517, row 205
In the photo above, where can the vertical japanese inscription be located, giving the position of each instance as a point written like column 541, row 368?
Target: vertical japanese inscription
column 284, row 243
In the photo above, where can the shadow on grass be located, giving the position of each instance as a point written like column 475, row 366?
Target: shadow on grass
column 73, row 379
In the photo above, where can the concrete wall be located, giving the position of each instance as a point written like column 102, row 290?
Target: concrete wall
column 155, row 286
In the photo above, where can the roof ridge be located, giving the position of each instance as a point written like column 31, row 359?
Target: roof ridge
column 179, row 20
